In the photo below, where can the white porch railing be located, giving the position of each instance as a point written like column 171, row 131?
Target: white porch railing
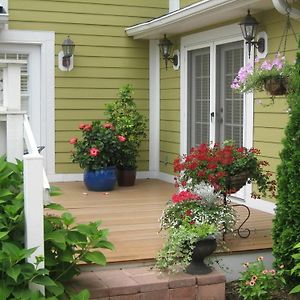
column 36, row 187
column 14, row 129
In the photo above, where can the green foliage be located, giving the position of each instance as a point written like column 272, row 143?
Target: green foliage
column 99, row 146
column 259, row 283
column 66, row 245
column 123, row 114
column 286, row 225
column 177, row 252
column 296, row 269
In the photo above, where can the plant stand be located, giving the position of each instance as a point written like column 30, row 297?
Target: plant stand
column 242, row 232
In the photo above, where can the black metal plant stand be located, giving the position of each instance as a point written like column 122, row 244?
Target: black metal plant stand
column 242, row 232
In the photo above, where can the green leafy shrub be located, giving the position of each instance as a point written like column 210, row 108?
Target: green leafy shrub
column 66, row 244
column 286, row 225
column 129, row 123
column 296, row 269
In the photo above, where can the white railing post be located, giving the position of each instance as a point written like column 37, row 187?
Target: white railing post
column 33, row 208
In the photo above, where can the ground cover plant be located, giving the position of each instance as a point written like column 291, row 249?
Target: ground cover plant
column 66, row 244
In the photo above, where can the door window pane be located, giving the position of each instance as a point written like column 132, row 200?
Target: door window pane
column 199, row 96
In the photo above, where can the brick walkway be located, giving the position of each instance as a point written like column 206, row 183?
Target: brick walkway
column 143, row 283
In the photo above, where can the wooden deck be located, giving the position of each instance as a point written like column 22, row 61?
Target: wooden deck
column 131, row 214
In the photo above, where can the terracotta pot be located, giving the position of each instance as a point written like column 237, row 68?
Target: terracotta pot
column 276, row 86
column 203, row 249
column 126, row 177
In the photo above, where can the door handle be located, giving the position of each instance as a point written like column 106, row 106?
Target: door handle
column 212, row 115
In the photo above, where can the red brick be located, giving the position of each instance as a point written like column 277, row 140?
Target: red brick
column 184, row 293
column 151, row 281
column 126, row 297
column 181, row 280
column 118, row 282
column 211, row 292
column 139, row 271
column 158, row 295
column 211, row 278
column 89, row 280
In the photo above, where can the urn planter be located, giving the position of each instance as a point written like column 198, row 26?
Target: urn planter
column 100, row 180
column 203, row 248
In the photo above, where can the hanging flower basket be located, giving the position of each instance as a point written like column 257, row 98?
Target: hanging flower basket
column 276, row 86
column 237, row 181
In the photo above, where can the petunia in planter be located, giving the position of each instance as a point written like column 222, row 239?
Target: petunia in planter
column 227, row 168
column 131, row 124
column 97, row 153
column 271, row 76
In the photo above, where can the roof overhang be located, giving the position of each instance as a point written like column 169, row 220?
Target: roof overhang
column 197, row 16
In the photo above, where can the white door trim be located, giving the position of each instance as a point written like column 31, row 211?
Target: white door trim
column 46, row 41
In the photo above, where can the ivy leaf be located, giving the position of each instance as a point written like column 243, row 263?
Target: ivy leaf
column 96, row 257
column 14, row 272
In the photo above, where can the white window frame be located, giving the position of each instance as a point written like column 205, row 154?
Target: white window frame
column 46, row 41
column 213, row 38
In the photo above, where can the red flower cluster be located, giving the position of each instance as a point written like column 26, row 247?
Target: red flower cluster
column 85, row 127
column 184, row 195
column 215, row 165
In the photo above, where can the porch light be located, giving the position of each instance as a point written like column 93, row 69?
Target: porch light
column 166, row 48
column 66, row 55
column 249, row 29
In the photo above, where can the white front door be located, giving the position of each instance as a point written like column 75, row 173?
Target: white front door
column 220, row 117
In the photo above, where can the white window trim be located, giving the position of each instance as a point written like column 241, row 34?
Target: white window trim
column 46, row 41
column 212, row 38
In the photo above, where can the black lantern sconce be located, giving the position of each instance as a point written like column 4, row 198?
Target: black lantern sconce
column 249, row 29
column 65, row 56
column 166, row 48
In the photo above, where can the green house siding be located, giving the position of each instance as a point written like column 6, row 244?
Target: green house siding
column 184, row 3
column 169, row 114
column 105, row 59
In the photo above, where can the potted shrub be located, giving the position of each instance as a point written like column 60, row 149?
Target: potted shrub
column 227, row 168
column 130, row 124
column 97, row 153
column 194, row 219
column 271, row 76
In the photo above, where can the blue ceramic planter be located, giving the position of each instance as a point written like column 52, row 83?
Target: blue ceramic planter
column 100, row 180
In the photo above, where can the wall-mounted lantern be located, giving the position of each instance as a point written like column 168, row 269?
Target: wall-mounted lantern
column 249, row 29
column 166, row 48
column 66, row 56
